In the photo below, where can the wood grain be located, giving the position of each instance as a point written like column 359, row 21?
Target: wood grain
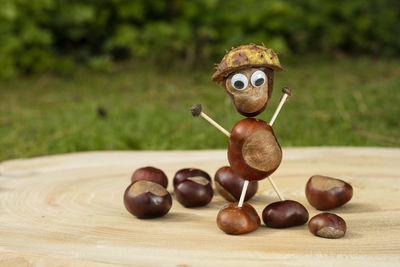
column 67, row 210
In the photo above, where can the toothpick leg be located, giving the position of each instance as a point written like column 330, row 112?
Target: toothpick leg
column 243, row 194
column 281, row 198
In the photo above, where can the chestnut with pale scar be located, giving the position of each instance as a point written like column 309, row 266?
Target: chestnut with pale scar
column 327, row 225
column 186, row 173
column 325, row 193
column 253, row 150
column 146, row 199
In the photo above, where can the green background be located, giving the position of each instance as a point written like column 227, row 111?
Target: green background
column 120, row 75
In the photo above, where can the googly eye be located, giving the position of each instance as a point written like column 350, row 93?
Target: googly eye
column 239, row 81
column 258, row 78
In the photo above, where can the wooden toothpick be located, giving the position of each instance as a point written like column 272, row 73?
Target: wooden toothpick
column 196, row 110
column 287, row 94
column 281, row 198
column 242, row 195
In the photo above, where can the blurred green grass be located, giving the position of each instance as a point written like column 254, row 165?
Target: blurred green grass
column 341, row 102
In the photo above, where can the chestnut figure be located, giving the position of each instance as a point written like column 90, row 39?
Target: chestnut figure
column 229, row 185
column 327, row 225
column 238, row 220
column 253, row 151
column 325, row 193
column 283, row 214
column 150, row 174
column 146, row 199
column 246, row 73
column 194, row 192
column 183, row 174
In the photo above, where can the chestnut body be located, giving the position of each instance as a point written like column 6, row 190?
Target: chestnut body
column 230, row 186
column 194, row 192
column 146, row 199
column 325, row 193
column 150, row 174
column 183, row 174
column 327, row 225
column 253, row 151
column 283, row 214
column 238, row 220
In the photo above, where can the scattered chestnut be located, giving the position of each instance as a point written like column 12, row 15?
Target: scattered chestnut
column 253, row 151
column 150, row 174
column 283, row 214
column 146, row 199
column 230, row 186
column 327, row 225
column 325, row 193
column 236, row 220
column 183, row 174
column 194, row 192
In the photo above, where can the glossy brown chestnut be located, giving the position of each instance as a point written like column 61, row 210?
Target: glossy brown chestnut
column 194, row 192
column 146, row 199
column 283, row 214
column 327, row 225
column 230, row 186
column 150, row 174
column 236, row 220
column 325, row 193
column 183, row 174
column 253, row 151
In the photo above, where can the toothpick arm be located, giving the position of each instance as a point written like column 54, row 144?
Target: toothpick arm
column 287, row 93
column 196, row 111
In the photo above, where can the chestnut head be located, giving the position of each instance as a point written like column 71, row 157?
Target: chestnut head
column 250, row 89
column 230, row 186
column 236, row 220
column 246, row 73
column 146, row 199
column 150, row 174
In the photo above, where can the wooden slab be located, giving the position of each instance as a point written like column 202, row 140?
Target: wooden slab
column 68, row 210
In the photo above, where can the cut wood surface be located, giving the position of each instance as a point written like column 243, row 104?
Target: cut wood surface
column 67, row 210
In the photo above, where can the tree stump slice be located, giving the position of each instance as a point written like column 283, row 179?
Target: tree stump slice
column 67, row 210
